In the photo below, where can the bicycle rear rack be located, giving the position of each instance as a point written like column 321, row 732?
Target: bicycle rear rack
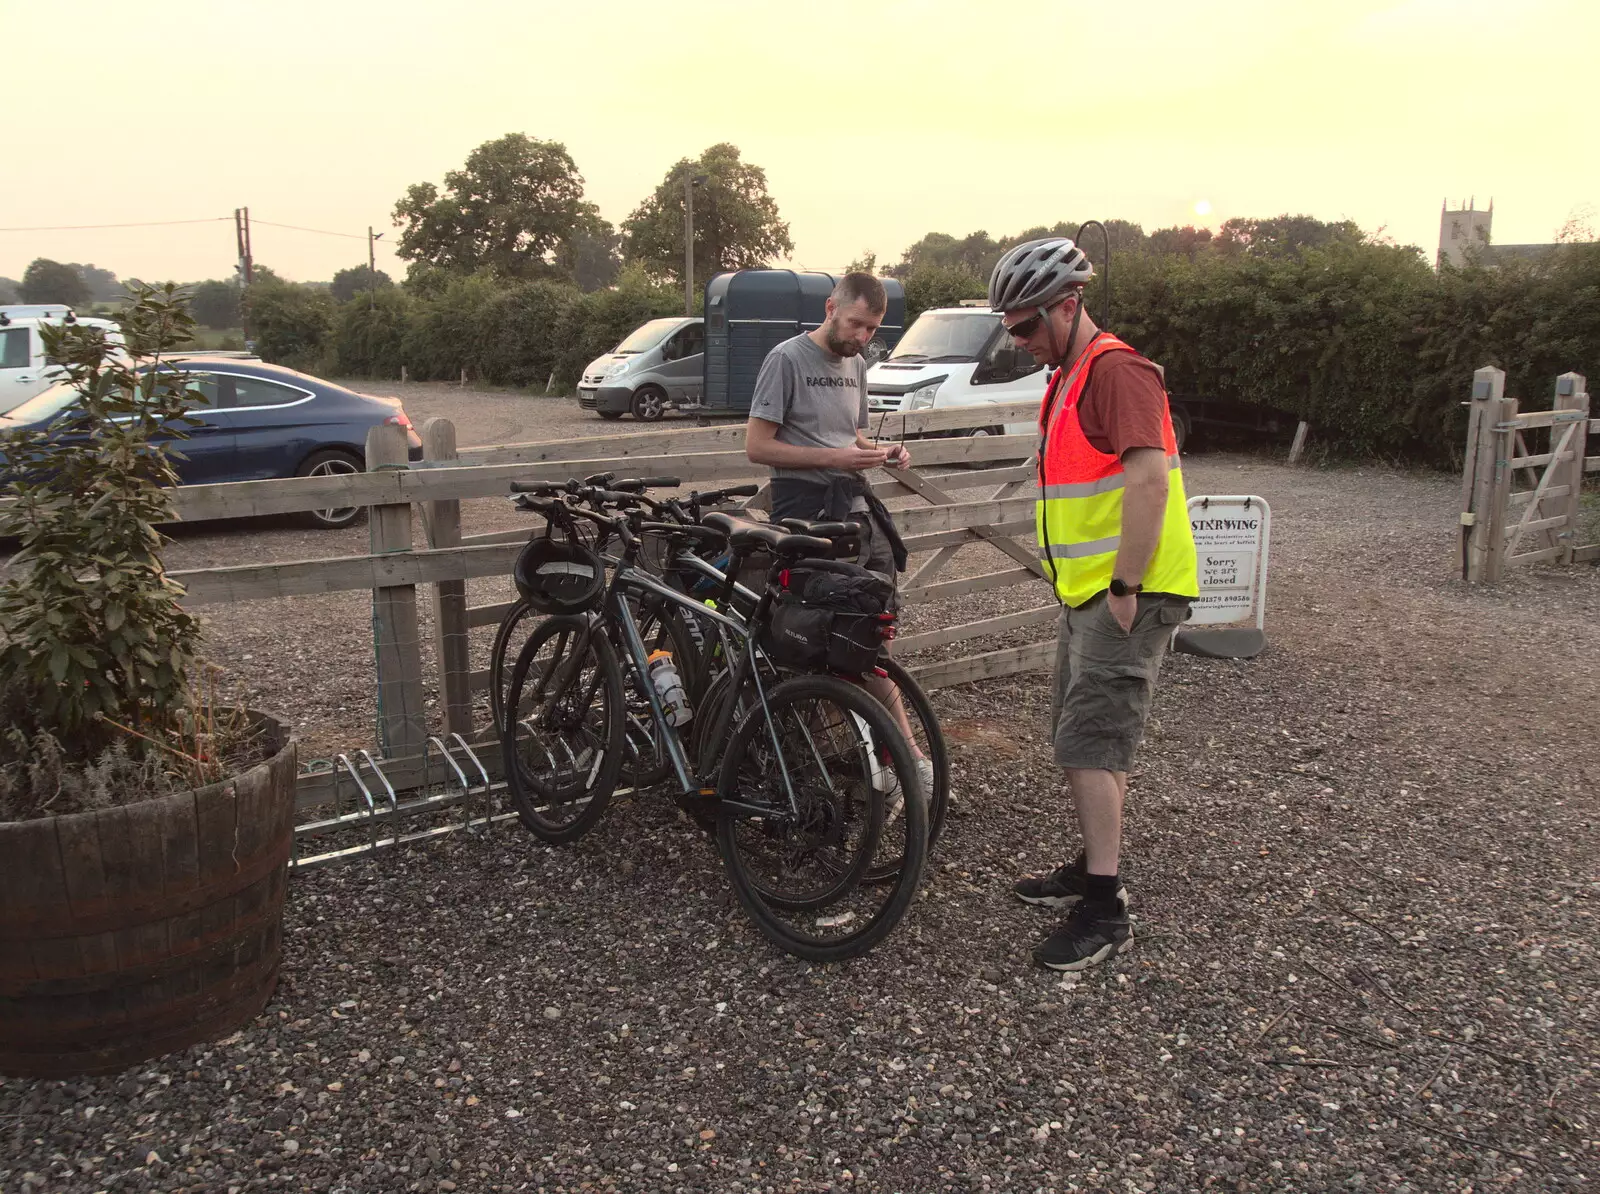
column 467, row 786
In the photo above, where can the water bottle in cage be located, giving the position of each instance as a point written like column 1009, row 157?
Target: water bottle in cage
column 669, row 687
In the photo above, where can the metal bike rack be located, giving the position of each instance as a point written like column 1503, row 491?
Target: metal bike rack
column 467, row 780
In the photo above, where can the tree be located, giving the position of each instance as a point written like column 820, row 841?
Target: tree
column 49, row 281
column 512, row 209
column 974, row 253
column 941, row 286
column 369, row 338
column 592, row 258
column 736, row 222
column 102, row 283
column 1579, row 226
column 1185, row 241
column 1284, row 235
column 215, row 304
column 290, row 323
column 347, row 283
column 977, row 252
column 8, row 290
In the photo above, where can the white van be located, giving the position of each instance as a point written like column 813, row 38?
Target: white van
column 956, row 357
column 23, row 371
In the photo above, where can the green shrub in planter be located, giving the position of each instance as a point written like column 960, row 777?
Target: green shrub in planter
column 144, row 835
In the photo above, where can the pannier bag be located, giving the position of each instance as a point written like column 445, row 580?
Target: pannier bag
column 829, row 614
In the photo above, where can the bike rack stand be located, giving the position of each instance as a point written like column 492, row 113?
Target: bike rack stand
column 468, row 784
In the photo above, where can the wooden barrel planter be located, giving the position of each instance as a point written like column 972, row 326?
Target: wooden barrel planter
column 131, row 932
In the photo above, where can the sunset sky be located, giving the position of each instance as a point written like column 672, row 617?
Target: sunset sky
column 875, row 122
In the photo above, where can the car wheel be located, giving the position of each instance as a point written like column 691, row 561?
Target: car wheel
column 649, row 403
column 1180, row 428
column 331, row 463
column 609, row 415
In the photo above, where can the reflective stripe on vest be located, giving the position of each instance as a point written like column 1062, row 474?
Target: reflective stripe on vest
column 1079, row 513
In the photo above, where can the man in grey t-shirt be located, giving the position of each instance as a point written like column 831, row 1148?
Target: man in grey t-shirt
column 816, row 398
column 808, row 418
column 807, row 422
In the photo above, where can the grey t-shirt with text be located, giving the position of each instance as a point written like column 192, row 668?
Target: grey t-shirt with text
column 818, row 400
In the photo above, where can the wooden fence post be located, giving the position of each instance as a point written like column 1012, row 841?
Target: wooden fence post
column 443, row 522
column 1488, row 391
column 1503, row 447
column 1572, row 393
column 1299, row 444
column 402, row 719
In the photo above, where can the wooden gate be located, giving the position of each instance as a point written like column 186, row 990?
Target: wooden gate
column 1522, row 485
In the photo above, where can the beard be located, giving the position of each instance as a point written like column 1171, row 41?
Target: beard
column 840, row 347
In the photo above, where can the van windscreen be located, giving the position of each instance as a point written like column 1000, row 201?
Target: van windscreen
column 945, row 336
column 647, row 335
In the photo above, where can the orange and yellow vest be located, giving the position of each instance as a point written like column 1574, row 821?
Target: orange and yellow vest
column 1079, row 513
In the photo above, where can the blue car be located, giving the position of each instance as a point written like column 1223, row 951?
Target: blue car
column 259, row 421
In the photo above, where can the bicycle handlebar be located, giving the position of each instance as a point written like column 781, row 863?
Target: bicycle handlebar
column 635, row 484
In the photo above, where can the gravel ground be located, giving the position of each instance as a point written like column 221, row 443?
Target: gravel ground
column 1362, row 868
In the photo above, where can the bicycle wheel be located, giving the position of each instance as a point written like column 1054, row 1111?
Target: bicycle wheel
column 647, row 762
column 798, row 871
column 928, row 738
column 563, row 743
column 515, row 621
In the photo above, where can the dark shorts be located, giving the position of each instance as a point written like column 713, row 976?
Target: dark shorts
column 877, row 555
column 1105, row 680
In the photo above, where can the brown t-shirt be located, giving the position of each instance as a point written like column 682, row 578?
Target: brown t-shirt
column 1123, row 405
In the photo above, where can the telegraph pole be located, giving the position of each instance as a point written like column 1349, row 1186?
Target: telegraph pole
column 241, row 232
column 688, row 246
column 249, row 260
column 690, row 182
column 372, row 268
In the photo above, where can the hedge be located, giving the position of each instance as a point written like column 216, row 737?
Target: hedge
column 1367, row 343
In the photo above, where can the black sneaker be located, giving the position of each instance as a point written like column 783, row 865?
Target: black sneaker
column 1063, row 887
column 1092, row 933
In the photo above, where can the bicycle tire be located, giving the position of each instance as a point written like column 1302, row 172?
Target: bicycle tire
column 758, row 901
column 919, row 712
column 520, row 612
column 589, row 791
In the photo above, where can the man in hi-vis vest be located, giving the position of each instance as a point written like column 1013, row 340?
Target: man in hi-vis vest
column 1114, row 538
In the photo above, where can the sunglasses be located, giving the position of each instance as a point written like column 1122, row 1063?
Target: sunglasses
column 1024, row 329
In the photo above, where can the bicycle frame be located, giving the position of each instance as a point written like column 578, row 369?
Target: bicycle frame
column 629, row 579
column 616, row 620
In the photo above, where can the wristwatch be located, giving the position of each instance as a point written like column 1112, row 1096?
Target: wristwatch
column 1121, row 588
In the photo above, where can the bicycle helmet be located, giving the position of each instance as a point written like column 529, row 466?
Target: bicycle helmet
column 1036, row 271
column 559, row 576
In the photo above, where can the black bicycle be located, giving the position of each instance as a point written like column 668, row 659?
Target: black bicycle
column 711, row 574
column 798, row 789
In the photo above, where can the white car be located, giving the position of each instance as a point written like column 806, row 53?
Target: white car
column 956, row 357
column 23, row 371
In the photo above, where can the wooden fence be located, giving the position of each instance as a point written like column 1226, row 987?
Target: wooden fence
column 415, row 751
column 1522, row 484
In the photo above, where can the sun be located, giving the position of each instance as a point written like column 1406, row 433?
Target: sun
column 1202, row 207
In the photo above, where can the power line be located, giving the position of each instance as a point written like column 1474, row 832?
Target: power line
column 169, row 223
column 318, row 231
column 145, row 224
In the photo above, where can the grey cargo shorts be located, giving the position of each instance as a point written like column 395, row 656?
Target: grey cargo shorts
column 1105, row 680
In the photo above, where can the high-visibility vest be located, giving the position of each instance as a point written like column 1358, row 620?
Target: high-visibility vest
column 1079, row 513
